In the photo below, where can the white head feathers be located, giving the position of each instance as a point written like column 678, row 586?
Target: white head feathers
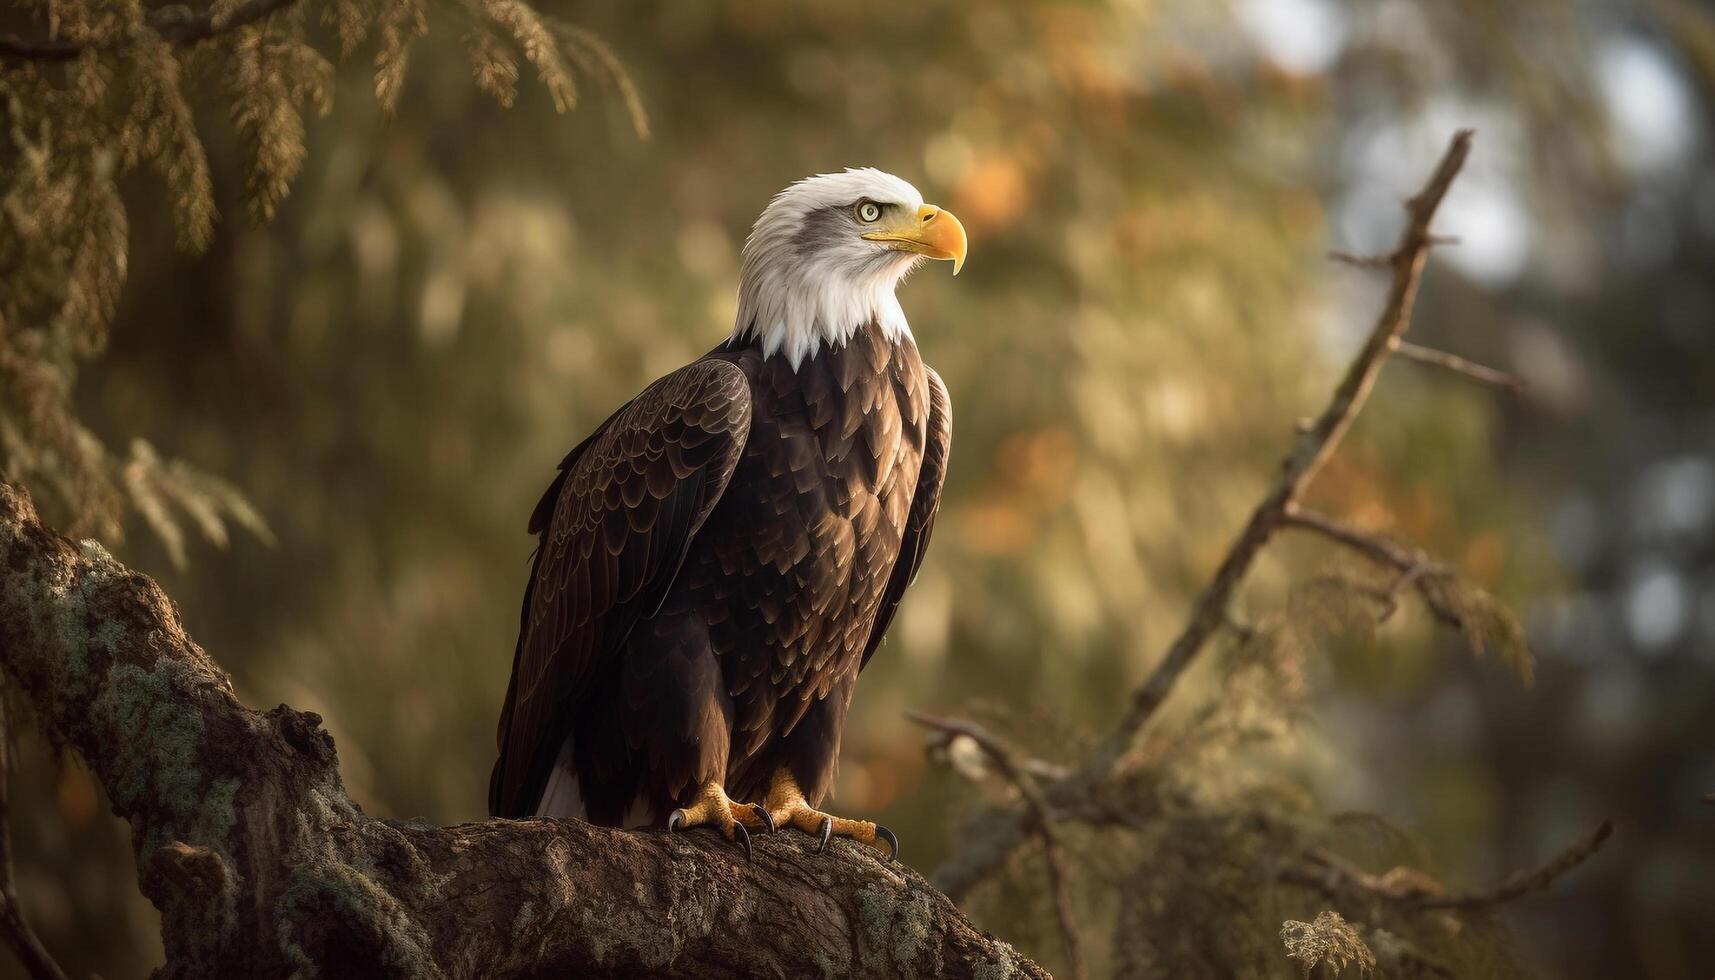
column 809, row 278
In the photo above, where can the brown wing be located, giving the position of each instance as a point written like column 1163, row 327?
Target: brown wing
column 925, row 502
column 615, row 527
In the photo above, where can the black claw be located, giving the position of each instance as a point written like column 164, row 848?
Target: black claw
column 675, row 821
column 763, row 815
column 882, row 833
column 742, row 836
column 827, row 832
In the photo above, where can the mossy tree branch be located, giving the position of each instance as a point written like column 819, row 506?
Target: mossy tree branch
column 262, row 866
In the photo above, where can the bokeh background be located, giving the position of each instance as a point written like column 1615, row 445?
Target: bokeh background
column 455, row 294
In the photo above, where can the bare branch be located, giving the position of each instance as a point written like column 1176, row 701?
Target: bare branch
column 34, row 957
column 175, row 25
column 1458, row 365
column 1307, row 459
column 1415, row 567
column 1042, row 816
column 1405, row 579
column 1410, row 890
column 1524, row 882
column 1371, row 546
column 981, row 856
column 1362, row 261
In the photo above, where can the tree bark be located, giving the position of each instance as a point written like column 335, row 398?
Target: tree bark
column 262, row 866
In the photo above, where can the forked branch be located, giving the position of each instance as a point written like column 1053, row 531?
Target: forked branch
column 983, row 853
column 1315, row 447
column 1042, row 819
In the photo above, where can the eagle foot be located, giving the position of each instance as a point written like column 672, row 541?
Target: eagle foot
column 788, row 808
column 713, row 808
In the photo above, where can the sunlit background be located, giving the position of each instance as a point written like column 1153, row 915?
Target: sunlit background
column 453, row 296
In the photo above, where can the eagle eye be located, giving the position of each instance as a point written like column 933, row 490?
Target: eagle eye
column 867, row 211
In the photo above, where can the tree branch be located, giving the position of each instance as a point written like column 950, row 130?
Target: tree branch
column 1314, row 449
column 982, row 855
column 263, row 867
column 1524, row 882
column 1402, row 887
column 175, row 24
column 1059, row 878
column 1416, row 569
column 1458, row 365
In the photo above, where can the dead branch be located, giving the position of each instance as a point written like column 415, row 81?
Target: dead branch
column 175, row 24
column 1524, row 882
column 1059, row 878
column 263, row 867
column 1415, row 568
column 1314, row 449
column 34, row 957
column 1372, row 546
column 1362, row 261
column 1410, row 890
column 1458, row 365
column 981, row 854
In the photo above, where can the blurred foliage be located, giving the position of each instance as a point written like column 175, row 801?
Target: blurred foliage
column 463, row 281
column 73, row 128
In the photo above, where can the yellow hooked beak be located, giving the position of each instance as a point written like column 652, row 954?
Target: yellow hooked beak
column 932, row 231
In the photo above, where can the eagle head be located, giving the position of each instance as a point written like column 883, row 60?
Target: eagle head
column 823, row 259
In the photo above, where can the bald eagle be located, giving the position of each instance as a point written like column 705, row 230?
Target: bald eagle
column 719, row 560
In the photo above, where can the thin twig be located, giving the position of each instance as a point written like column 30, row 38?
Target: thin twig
column 1458, row 365
column 1362, row 261
column 1414, row 566
column 174, row 24
column 1335, row 877
column 1372, row 546
column 1406, row 579
column 1043, row 817
column 1524, row 882
column 34, row 957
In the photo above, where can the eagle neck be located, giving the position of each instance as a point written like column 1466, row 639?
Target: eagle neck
column 799, row 311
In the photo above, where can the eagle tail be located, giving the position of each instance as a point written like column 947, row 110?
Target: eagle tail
column 561, row 796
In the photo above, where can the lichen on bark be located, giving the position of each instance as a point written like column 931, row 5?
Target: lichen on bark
column 262, row 866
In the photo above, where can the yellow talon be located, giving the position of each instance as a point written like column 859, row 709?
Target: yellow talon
column 787, row 807
column 713, row 808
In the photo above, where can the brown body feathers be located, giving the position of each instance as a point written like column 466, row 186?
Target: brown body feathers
column 717, row 563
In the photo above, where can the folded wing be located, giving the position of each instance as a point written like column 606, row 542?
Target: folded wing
column 615, row 526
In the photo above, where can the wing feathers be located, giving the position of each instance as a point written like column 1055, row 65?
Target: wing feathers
column 925, row 503
column 615, row 525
